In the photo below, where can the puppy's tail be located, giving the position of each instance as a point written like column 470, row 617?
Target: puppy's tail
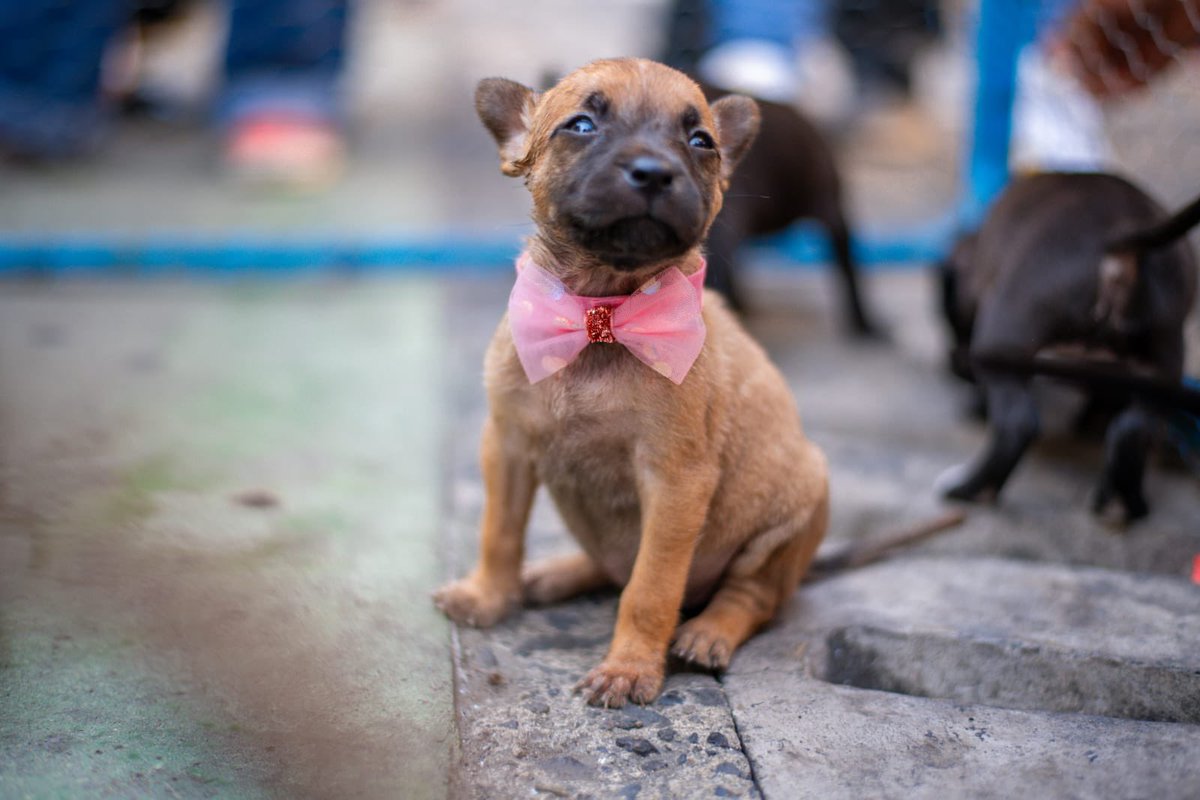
column 1164, row 233
column 1177, row 401
column 838, row 557
column 1108, row 377
column 1119, row 267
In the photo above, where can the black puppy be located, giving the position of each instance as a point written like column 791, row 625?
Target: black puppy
column 789, row 174
column 1086, row 263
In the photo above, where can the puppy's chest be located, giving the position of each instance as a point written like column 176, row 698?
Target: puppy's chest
column 585, row 431
column 584, row 427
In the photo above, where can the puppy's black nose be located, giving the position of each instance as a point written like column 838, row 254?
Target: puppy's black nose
column 648, row 173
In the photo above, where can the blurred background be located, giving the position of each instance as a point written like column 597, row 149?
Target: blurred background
column 200, row 134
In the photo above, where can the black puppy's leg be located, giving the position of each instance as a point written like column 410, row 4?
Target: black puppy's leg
column 724, row 240
column 1097, row 414
column 862, row 322
column 1013, row 418
column 1132, row 434
column 1127, row 446
column 976, row 406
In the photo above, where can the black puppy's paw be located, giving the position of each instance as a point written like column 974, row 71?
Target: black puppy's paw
column 1136, row 508
column 960, row 483
column 1133, row 504
column 869, row 331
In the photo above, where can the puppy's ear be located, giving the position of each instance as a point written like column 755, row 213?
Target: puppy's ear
column 506, row 107
column 737, row 120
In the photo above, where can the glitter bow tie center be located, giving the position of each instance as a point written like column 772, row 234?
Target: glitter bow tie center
column 599, row 325
column 661, row 323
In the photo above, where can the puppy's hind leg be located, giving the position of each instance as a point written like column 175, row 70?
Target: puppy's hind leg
column 862, row 322
column 558, row 578
column 1133, row 433
column 750, row 594
column 1127, row 444
column 1013, row 417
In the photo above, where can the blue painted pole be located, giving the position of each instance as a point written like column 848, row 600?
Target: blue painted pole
column 1003, row 28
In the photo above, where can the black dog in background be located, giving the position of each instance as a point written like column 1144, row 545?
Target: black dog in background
column 1088, row 266
column 790, row 173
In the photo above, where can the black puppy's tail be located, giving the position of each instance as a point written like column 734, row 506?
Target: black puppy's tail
column 1107, row 377
column 1164, row 233
column 1177, row 401
column 1119, row 267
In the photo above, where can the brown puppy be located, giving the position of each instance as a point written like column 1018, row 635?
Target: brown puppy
column 703, row 494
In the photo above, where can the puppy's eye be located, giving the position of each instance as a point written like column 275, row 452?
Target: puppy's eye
column 580, row 124
column 701, row 140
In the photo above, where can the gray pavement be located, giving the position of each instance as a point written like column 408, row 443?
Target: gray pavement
column 218, row 529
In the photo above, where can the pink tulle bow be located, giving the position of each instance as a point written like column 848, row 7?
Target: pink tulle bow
column 660, row 323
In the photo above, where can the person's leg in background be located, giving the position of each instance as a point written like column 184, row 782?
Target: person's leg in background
column 281, row 108
column 51, row 54
column 754, row 44
column 781, row 50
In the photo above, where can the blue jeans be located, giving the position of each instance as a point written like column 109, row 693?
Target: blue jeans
column 50, row 72
column 286, row 56
column 781, row 22
column 282, row 55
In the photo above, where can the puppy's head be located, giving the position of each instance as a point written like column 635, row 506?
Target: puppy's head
column 625, row 158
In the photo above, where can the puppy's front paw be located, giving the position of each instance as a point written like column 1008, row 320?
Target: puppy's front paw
column 467, row 602
column 703, row 643
column 614, row 682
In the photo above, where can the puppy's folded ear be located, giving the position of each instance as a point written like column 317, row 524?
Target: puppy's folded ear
column 737, row 120
column 506, row 108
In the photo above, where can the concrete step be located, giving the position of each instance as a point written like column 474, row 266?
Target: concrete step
column 811, row 739
column 981, row 660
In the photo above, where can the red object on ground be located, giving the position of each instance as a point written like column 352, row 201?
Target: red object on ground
column 1196, row 568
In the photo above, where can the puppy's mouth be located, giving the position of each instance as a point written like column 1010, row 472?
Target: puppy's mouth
column 630, row 242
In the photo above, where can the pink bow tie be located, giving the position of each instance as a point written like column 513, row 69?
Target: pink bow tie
column 660, row 323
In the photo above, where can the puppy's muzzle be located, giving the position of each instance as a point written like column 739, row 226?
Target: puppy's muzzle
column 649, row 174
column 638, row 205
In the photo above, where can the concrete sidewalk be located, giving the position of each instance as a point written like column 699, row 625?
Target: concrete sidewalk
column 224, row 506
column 218, row 529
